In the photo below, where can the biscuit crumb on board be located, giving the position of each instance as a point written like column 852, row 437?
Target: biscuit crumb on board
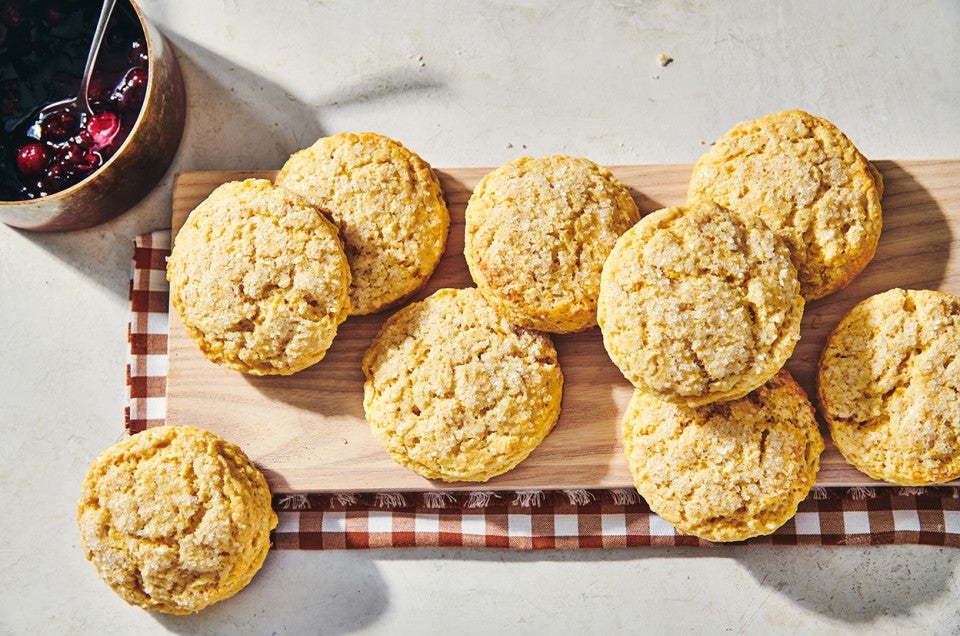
column 663, row 59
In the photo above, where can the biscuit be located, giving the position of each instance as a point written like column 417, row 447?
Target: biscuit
column 699, row 304
column 259, row 278
column 386, row 201
column 727, row 471
column 456, row 392
column 175, row 519
column 889, row 386
column 810, row 185
column 537, row 233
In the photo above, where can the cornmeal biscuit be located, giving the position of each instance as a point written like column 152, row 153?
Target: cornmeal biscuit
column 259, row 278
column 388, row 205
column 175, row 519
column 456, row 392
column 727, row 471
column 537, row 233
column 889, row 386
column 699, row 304
column 809, row 183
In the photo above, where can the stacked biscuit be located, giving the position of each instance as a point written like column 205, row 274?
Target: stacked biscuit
column 700, row 307
column 263, row 274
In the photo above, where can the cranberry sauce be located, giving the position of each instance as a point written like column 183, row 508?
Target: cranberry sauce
column 43, row 47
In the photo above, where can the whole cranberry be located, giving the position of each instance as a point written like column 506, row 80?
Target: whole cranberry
column 59, row 125
column 32, row 159
column 131, row 89
column 59, row 175
column 103, row 127
column 83, row 159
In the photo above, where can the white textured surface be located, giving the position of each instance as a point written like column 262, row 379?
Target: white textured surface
column 464, row 83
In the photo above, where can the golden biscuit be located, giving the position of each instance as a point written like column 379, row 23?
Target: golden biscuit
column 259, row 278
column 699, row 304
column 810, row 185
column 388, row 205
column 727, row 471
column 175, row 519
column 889, row 386
column 456, row 392
column 537, row 233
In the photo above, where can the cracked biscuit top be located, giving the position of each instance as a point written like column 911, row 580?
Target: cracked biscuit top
column 699, row 304
column 259, row 278
column 175, row 519
column 537, row 233
column 725, row 471
column 811, row 186
column 456, row 392
column 889, row 386
column 389, row 207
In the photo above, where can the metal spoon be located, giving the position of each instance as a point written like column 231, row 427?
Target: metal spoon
column 80, row 102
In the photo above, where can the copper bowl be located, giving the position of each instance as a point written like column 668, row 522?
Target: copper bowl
column 134, row 169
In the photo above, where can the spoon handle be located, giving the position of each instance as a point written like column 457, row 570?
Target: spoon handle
column 98, row 35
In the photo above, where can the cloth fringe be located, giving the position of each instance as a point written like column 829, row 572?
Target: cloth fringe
column 911, row 491
column 344, row 499
column 480, row 498
column 438, row 499
column 623, row 497
column 579, row 497
column 528, row 498
column 389, row 500
column 858, row 493
column 819, row 493
column 294, row 502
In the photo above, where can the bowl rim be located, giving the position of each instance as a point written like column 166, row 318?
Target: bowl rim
column 62, row 194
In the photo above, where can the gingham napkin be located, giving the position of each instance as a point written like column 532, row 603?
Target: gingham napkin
column 521, row 520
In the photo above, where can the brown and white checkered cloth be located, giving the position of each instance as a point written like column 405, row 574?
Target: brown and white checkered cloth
column 521, row 520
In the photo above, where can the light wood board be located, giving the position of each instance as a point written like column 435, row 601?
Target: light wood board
column 307, row 431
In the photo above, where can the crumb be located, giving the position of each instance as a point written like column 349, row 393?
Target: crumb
column 344, row 440
column 816, row 322
column 509, row 145
column 702, row 142
column 656, row 76
column 663, row 59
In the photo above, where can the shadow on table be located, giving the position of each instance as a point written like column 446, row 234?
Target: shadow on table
column 867, row 583
column 852, row 585
column 343, row 594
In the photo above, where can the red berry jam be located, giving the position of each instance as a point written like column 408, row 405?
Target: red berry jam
column 43, row 47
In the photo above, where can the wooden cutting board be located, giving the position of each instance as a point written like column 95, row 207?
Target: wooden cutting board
column 307, row 431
